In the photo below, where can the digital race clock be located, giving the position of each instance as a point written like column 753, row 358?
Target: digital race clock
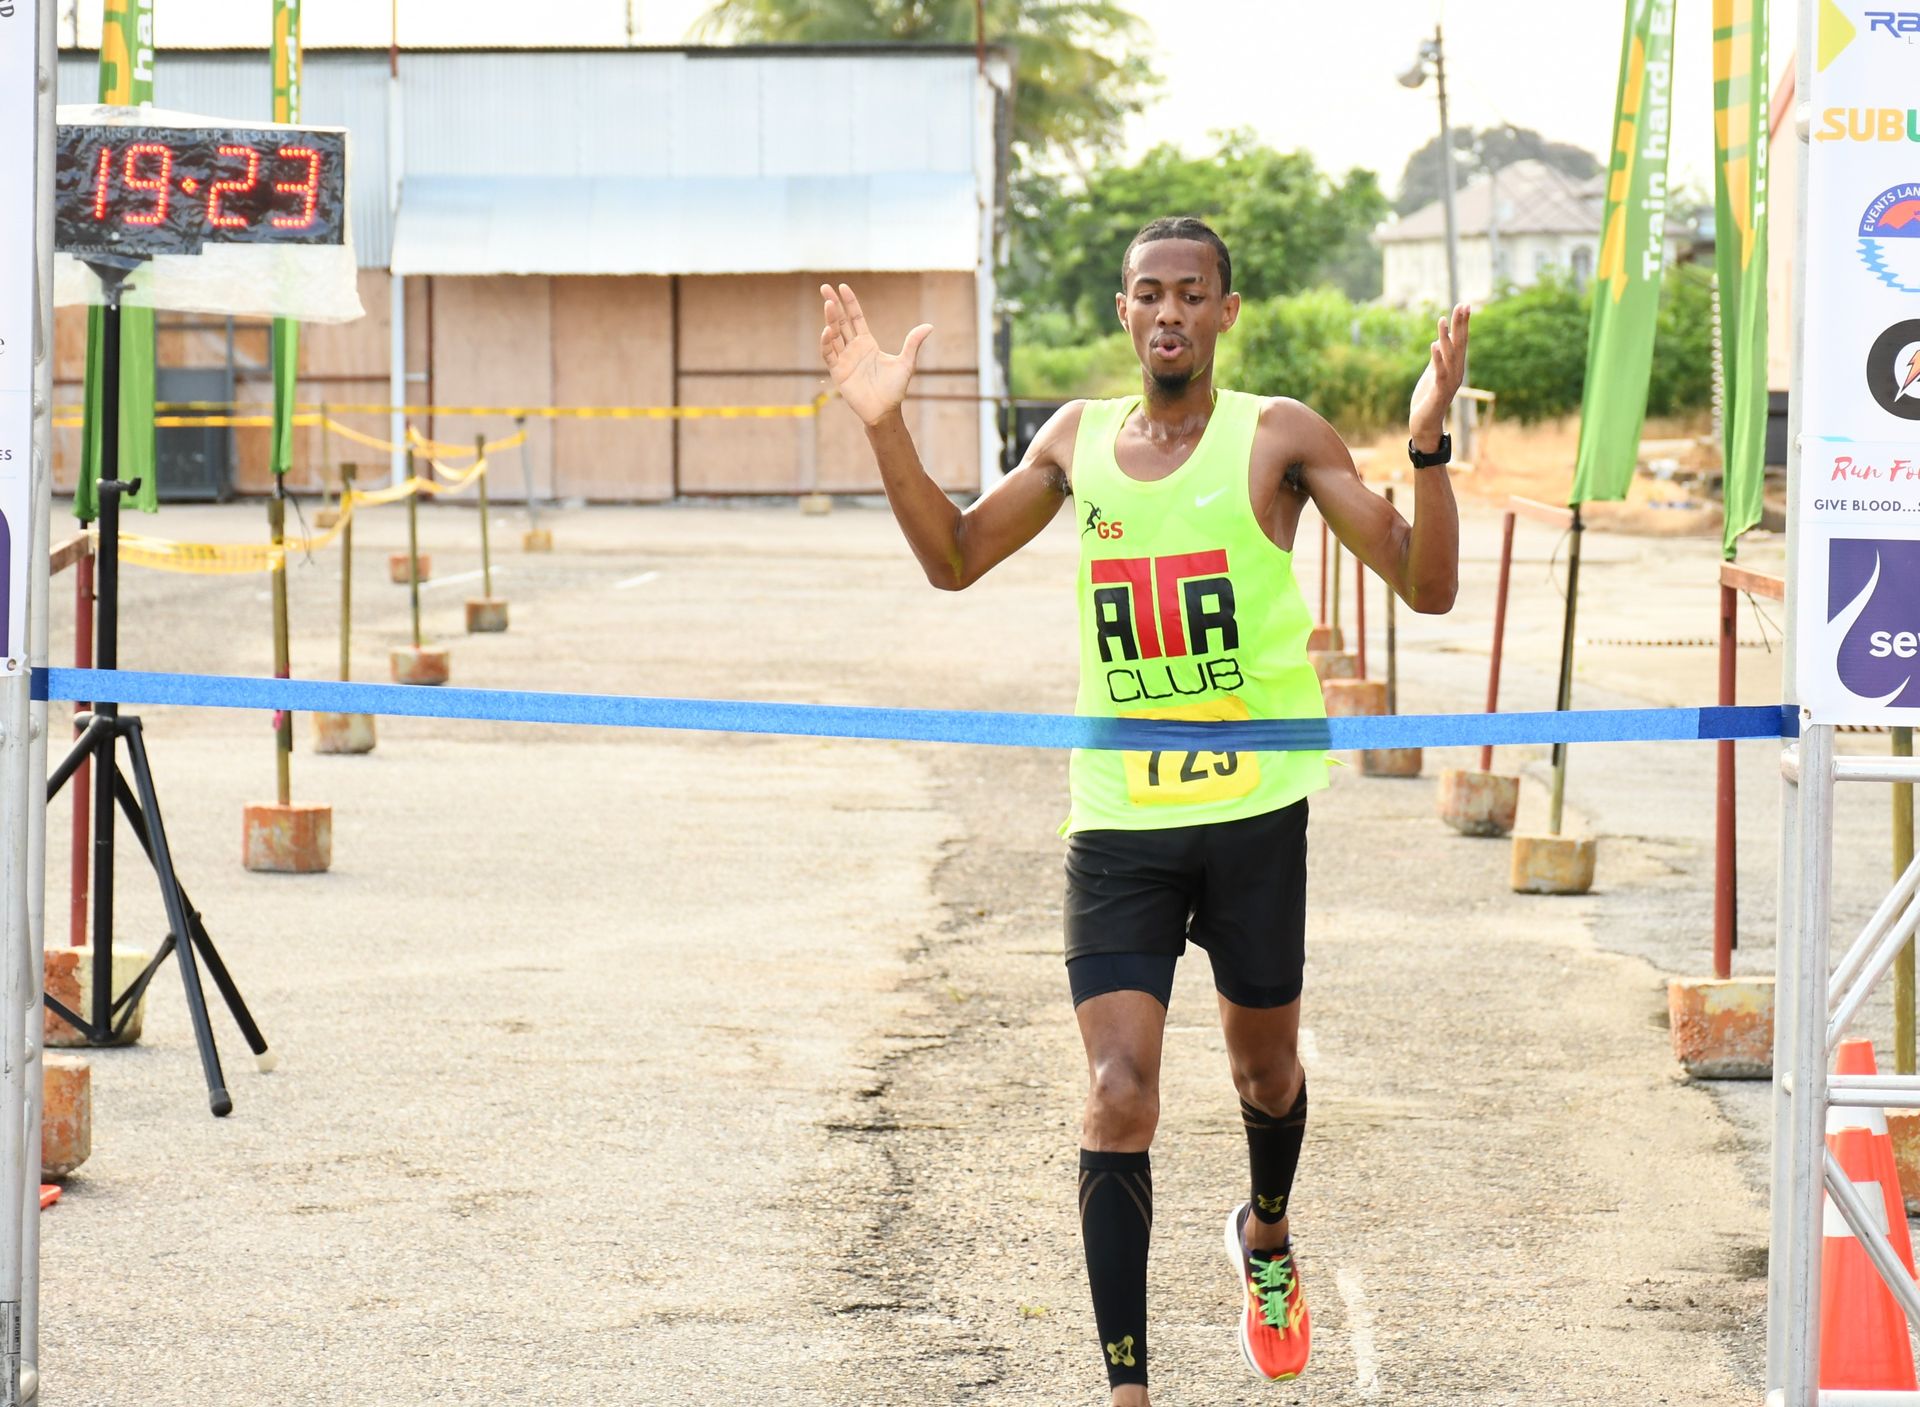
column 128, row 193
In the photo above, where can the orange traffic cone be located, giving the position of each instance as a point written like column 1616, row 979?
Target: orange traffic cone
column 1863, row 1333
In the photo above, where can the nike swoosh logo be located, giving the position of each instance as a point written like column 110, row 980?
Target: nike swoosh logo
column 1203, row 502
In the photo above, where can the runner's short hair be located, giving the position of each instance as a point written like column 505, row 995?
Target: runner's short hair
column 1181, row 227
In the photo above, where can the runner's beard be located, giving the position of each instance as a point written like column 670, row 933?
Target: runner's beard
column 1172, row 382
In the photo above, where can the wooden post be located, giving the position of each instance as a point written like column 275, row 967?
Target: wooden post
column 346, row 573
column 1565, row 698
column 1360, row 616
column 486, row 557
column 1393, row 657
column 1725, row 876
column 282, row 663
column 413, row 551
column 1499, row 632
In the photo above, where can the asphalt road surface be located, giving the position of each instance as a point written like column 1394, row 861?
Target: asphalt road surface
column 648, row 1067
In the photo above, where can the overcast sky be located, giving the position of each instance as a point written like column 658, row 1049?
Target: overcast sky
column 1302, row 75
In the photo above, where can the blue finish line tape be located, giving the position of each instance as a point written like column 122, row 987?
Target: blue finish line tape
column 1047, row 730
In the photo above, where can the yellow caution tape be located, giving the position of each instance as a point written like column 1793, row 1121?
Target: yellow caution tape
column 235, row 558
column 217, row 412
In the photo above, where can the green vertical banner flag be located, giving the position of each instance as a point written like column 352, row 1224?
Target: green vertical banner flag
column 1740, row 113
column 126, row 80
column 1626, row 290
column 286, row 332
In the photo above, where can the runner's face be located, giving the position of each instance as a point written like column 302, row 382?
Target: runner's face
column 1175, row 309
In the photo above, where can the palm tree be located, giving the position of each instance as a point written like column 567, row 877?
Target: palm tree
column 1075, row 81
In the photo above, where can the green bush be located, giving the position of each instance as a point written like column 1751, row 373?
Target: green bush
column 1530, row 348
column 1356, row 364
column 1100, row 368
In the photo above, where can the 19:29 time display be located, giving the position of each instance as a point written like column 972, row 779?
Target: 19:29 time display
column 140, row 191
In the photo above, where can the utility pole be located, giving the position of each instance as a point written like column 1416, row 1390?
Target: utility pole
column 1433, row 54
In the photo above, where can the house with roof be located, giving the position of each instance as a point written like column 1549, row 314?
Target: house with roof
column 1515, row 224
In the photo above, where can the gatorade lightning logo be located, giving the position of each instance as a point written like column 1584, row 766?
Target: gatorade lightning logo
column 1155, row 617
column 1893, row 370
column 1872, row 587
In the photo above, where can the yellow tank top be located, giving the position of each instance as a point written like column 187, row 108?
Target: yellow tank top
column 1187, row 611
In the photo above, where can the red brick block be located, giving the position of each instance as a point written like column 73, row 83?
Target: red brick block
column 1722, row 1030
column 296, row 839
column 420, row 664
column 66, row 1126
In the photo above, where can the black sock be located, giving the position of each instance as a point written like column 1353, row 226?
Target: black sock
column 1116, row 1215
column 1273, row 1151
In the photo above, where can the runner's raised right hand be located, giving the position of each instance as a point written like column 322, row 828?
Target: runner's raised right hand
column 869, row 380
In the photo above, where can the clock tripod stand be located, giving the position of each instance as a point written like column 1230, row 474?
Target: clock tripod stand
column 103, row 728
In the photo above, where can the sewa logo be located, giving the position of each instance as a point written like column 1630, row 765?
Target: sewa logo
column 1873, row 585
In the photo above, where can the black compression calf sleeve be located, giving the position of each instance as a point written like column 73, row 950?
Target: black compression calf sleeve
column 1273, row 1151
column 1116, row 1215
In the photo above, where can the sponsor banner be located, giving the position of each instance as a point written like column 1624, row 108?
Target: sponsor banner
column 1741, row 99
column 19, row 43
column 1626, row 288
column 1858, row 515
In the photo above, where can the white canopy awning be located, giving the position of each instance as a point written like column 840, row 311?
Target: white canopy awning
column 709, row 225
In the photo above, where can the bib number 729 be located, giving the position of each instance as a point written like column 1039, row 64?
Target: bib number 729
column 1180, row 778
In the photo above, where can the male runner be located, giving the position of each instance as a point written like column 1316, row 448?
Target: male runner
column 1188, row 499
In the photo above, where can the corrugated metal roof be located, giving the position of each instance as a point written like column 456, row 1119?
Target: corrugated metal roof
column 655, row 113
column 610, row 118
column 737, row 225
column 340, row 91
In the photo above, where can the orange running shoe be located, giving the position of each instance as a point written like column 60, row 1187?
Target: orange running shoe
column 1275, row 1331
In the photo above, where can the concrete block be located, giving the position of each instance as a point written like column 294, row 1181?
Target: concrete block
column 1552, row 864
column 537, row 540
column 343, row 732
column 295, row 839
column 1478, row 803
column 326, row 518
column 397, row 567
column 66, row 1127
column 1391, row 762
column 69, row 980
column 815, row 505
column 1333, row 664
column 1722, row 1030
column 486, row 615
column 1904, row 1125
column 1355, row 698
column 420, row 664
column 1323, row 638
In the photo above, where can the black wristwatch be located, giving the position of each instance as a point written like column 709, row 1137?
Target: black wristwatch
column 1442, row 455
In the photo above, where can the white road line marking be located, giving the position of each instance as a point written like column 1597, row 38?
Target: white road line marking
column 456, row 578
column 640, row 580
column 1366, row 1369
column 1308, row 1047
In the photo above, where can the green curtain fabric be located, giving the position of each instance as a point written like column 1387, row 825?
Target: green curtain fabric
column 126, row 80
column 1742, row 104
column 286, row 333
column 1613, row 406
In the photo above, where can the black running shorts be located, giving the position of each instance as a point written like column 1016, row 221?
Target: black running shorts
column 1235, row 888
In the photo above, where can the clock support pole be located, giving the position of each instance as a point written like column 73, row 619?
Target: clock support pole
column 103, row 729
